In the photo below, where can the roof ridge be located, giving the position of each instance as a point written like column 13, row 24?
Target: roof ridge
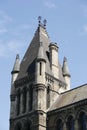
column 74, row 88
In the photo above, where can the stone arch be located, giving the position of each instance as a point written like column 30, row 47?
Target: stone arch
column 68, row 115
column 59, row 123
column 70, row 122
column 82, row 121
column 79, row 111
column 57, row 118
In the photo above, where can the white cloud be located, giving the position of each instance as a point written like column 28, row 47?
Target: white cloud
column 83, row 31
column 25, row 26
column 4, row 17
column 50, row 4
column 4, row 22
column 9, row 48
column 3, row 30
column 85, row 28
column 84, row 10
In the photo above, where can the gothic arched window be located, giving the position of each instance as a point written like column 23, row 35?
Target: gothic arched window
column 18, row 102
column 70, row 123
column 82, row 121
column 24, row 99
column 48, row 96
column 30, row 97
column 59, row 125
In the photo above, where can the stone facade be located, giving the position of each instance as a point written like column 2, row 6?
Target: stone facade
column 41, row 98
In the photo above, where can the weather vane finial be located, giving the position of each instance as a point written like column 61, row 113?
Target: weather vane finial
column 45, row 21
column 39, row 20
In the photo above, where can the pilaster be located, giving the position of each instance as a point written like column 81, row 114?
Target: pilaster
column 76, row 124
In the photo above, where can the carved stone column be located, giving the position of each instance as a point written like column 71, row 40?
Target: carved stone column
column 76, row 127
column 64, row 126
column 21, row 102
column 28, row 99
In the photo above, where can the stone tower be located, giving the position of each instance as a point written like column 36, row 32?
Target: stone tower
column 37, row 82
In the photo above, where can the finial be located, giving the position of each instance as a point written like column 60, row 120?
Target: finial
column 65, row 59
column 17, row 56
column 45, row 21
column 39, row 20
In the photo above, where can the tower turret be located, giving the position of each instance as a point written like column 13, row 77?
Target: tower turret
column 40, row 80
column 16, row 69
column 40, row 66
column 14, row 73
column 66, row 73
column 54, row 59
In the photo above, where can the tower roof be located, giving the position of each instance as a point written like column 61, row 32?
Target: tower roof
column 40, row 55
column 16, row 67
column 28, row 62
column 35, row 50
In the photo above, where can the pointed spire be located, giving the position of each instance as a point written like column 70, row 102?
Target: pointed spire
column 39, row 20
column 16, row 67
column 65, row 68
column 45, row 21
column 40, row 55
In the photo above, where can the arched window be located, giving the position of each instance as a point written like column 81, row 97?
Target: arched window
column 48, row 96
column 59, row 125
column 82, row 121
column 18, row 102
column 24, row 99
column 70, row 123
column 30, row 97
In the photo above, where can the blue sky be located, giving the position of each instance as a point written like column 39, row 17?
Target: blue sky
column 66, row 25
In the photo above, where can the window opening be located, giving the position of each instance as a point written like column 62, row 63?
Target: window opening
column 40, row 68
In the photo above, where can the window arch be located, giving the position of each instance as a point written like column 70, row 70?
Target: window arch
column 82, row 121
column 70, row 123
column 18, row 102
column 59, row 125
column 24, row 99
column 48, row 96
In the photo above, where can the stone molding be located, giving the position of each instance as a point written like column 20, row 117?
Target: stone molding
column 39, row 87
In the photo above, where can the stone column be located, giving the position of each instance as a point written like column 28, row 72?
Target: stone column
column 27, row 105
column 76, row 127
column 21, row 102
column 64, row 126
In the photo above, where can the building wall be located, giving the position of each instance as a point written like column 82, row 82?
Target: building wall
column 63, row 114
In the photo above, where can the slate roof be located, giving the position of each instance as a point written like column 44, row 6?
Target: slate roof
column 16, row 66
column 70, row 97
column 27, row 65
